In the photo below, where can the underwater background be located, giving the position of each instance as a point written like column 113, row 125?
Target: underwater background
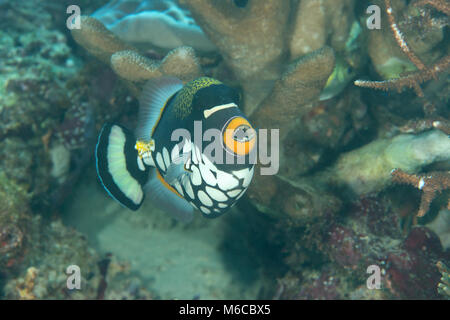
column 362, row 104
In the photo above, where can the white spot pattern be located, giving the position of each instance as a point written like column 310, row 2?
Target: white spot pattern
column 207, row 175
column 226, row 181
column 234, row 193
column 204, row 198
column 195, row 176
column 205, row 210
column 216, row 194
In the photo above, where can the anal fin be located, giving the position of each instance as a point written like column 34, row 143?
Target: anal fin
column 167, row 198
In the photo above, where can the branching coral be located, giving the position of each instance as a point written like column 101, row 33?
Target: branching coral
column 424, row 73
column 431, row 185
column 316, row 22
column 299, row 85
column 127, row 62
column 251, row 39
column 411, row 80
column 399, row 37
column 420, row 125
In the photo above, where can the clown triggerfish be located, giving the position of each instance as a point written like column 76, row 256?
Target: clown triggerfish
column 180, row 176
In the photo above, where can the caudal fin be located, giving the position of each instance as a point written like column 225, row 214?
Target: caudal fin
column 119, row 169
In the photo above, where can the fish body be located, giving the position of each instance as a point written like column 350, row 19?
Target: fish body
column 180, row 173
column 341, row 76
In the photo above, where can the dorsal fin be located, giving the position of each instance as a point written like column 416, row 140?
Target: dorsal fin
column 153, row 99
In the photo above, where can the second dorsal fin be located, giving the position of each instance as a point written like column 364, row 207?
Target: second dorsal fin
column 153, row 99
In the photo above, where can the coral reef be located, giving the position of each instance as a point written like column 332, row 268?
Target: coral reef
column 363, row 174
column 368, row 235
column 14, row 224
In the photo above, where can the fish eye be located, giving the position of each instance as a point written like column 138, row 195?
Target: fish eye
column 239, row 137
column 243, row 133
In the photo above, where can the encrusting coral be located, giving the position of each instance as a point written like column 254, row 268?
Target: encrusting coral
column 368, row 169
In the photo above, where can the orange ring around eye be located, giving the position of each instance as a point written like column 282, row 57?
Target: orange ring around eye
column 238, row 147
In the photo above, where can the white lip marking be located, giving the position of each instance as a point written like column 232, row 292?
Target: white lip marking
column 209, row 112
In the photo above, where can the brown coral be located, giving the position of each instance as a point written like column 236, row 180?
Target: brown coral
column 299, row 85
column 316, row 22
column 251, row 39
column 98, row 40
column 127, row 62
column 431, row 185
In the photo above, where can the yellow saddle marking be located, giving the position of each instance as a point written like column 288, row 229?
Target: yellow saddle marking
column 183, row 100
column 143, row 147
